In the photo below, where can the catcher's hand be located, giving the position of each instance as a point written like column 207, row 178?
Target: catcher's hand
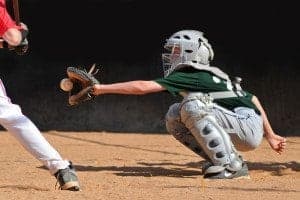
column 83, row 82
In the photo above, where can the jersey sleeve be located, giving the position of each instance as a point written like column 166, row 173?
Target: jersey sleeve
column 173, row 83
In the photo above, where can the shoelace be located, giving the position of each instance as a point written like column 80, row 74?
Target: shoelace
column 93, row 69
column 93, row 72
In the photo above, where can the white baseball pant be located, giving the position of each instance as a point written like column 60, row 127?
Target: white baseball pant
column 22, row 128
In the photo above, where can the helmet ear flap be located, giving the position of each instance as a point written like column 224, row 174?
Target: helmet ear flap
column 211, row 52
column 204, row 42
column 203, row 55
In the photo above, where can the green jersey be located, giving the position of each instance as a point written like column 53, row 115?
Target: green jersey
column 193, row 80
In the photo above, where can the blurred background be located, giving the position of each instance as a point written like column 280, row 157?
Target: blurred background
column 256, row 41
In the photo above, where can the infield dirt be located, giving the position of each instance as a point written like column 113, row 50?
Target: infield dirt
column 143, row 166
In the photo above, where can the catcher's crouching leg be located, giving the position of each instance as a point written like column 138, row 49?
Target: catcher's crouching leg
column 180, row 132
column 215, row 142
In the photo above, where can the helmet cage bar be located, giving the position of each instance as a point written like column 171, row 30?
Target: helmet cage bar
column 172, row 56
column 168, row 61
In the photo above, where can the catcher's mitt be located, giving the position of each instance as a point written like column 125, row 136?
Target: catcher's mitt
column 83, row 82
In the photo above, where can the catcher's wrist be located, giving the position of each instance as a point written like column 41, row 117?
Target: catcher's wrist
column 96, row 89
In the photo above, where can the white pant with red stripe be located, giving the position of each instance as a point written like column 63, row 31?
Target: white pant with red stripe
column 12, row 119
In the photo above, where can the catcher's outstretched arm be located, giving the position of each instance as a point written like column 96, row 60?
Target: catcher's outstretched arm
column 138, row 87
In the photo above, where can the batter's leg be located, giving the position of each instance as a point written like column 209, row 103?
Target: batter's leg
column 22, row 128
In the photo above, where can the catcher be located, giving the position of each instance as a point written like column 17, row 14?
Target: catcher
column 216, row 118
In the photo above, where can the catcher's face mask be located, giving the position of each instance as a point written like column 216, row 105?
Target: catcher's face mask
column 171, row 57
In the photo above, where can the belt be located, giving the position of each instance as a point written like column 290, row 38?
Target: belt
column 215, row 95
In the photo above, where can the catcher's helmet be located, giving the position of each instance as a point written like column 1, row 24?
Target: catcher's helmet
column 186, row 46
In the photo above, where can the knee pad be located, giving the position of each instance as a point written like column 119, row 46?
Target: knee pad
column 173, row 124
column 173, row 113
column 180, row 132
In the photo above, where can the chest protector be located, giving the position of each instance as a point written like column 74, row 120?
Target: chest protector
column 236, row 87
column 214, row 70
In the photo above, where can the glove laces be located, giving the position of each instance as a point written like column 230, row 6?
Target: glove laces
column 92, row 70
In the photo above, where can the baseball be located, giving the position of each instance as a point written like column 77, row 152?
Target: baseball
column 66, row 84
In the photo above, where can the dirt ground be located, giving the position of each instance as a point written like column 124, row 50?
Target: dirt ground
column 143, row 166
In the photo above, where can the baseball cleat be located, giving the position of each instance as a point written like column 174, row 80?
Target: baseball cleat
column 227, row 174
column 67, row 179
